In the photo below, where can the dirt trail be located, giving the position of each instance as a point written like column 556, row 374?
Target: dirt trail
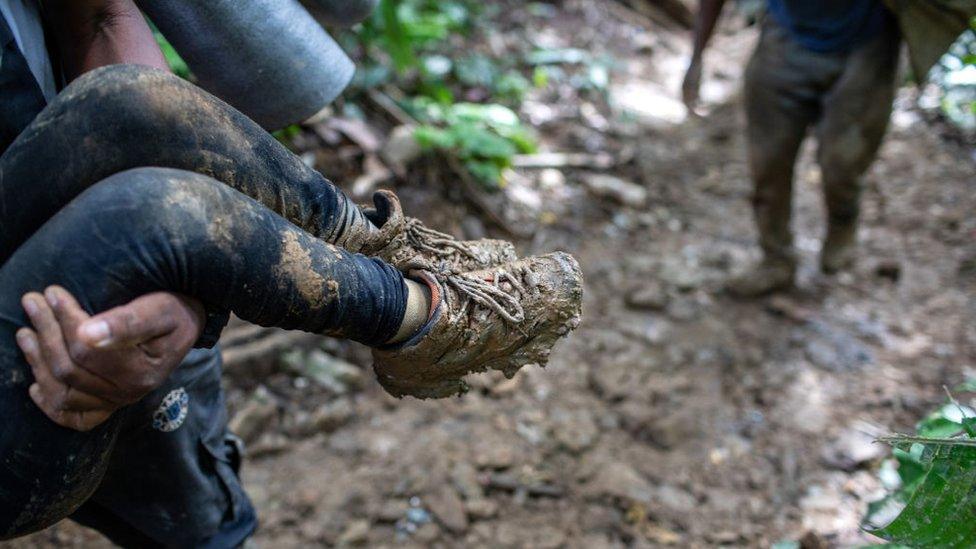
column 674, row 415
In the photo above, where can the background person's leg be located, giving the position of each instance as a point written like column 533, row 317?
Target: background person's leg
column 126, row 116
column 781, row 102
column 856, row 113
column 158, row 229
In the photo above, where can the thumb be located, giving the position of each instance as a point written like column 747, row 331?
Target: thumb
column 136, row 322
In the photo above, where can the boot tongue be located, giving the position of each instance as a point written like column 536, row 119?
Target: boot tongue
column 388, row 223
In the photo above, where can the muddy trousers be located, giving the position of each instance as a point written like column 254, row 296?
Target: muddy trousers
column 126, row 116
column 846, row 97
column 75, row 215
column 153, row 229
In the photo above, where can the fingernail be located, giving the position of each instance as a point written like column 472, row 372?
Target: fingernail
column 51, row 296
column 35, row 392
column 97, row 331
column 30, row 306
column 26, row 342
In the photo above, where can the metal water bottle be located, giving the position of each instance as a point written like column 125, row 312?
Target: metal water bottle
column 268, row 58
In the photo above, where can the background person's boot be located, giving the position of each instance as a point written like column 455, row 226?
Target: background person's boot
column 839, row 248
column 772, row 274
column 501, row 319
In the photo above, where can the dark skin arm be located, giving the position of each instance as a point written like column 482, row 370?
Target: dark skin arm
column 85, row 368
column 709, row 12
column 94, row 33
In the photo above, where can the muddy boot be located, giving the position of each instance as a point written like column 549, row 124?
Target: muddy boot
column 501, row 319
column 839, row 248
column 405, row 241
column 770, row 275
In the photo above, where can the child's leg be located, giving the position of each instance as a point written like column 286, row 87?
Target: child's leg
column 160, row 229
column 126, row 116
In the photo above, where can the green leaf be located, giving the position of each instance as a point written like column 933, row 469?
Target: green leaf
column 942, row 511
column 512, row 86
column 397, row 42
column 287, row 133
column 540, row 77
column 911, row 470
column 475, row 142
column 476, row 70
column 488, row 173
column 430, row 137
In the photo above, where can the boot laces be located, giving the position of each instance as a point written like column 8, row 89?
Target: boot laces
column 436, row 243
column 489, row 294
column 471, row 289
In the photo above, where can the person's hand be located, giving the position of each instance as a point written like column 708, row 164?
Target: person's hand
column 691, row 85
column 86, row 367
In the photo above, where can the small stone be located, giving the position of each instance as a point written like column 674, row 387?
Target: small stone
column 259, row 411
column 401, row 148
column 575, row 430
column 852, row 450
column 269, row 444
column 428, row 533
column 392, row 511
column 612, row 187
column 649, row 296
column 465, row 479
column 682, row 275
column 481, row 508
column 551, row 178
column 448, row 509
column 661, row 535
column 473, row 227
column 647, row 328
column 621, row 481
column 355, row 533
column 684, row 310
column 331, row 416
column 330, row 372
column 493, row 456
column 675, row 499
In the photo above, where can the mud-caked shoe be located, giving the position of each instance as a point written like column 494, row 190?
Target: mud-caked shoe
column 405, row 242
column 500, row 319
column 839, row 248
column 768, row 276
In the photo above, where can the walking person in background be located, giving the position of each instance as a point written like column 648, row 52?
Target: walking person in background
column 830, row 66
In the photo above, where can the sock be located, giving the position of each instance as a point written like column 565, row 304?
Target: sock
column 417, row 313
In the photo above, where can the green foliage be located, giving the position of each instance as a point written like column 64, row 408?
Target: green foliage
column 483, row 137
column 932, row 479
column 402, row 28
column 416, row 37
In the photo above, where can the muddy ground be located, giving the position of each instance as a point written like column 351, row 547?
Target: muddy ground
column 675, row 415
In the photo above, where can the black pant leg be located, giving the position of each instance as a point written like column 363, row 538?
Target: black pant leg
column 157, row 229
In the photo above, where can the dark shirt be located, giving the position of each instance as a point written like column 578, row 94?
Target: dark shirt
column 21, row 98
column 830, row 25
